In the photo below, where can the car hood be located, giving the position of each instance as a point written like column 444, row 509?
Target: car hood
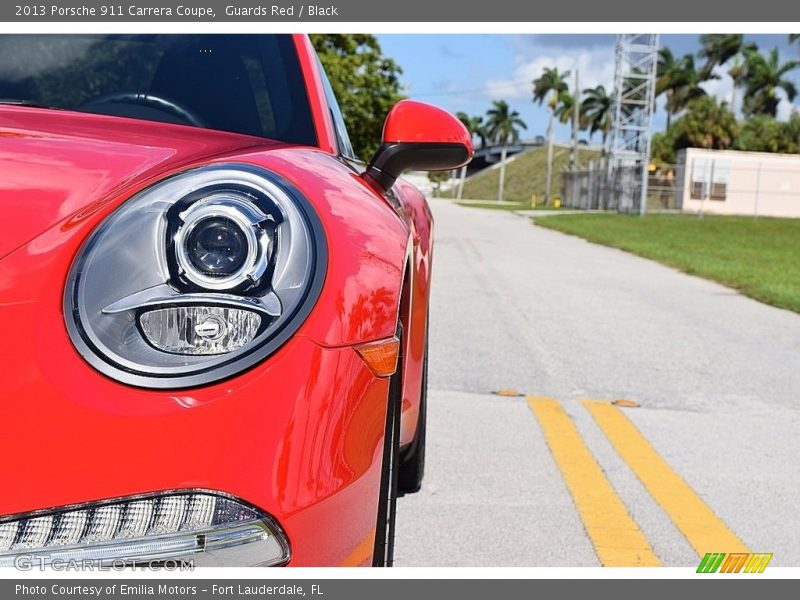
column 54, row 164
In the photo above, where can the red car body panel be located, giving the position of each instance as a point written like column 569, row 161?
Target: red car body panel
column 300, row 435
column 60, row 163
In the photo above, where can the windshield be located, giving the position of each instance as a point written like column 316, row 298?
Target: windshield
column 249, row 84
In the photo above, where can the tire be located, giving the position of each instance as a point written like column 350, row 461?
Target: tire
column 412, row 465
column 383, row 553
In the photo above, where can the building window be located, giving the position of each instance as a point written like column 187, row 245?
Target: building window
column 710, row 179
column 700, row 177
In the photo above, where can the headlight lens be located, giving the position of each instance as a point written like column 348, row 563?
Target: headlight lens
column 223, row 241
column 206, row 528
column 221, row 265
column 217, row 247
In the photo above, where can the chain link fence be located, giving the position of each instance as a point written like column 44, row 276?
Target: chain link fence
column 703, row 181
column 599, row 187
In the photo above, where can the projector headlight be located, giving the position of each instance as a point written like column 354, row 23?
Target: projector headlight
column 223, row 241
column 196, row 278
column 206, row 528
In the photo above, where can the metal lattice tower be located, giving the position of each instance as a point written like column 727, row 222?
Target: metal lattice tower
column 636, row 60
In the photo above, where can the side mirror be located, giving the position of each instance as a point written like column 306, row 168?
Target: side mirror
column 418, row 136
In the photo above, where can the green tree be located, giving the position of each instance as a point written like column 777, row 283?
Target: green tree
column 793, row 129
column 764, row 133
column 680, row 81
column 597, row 112
column 668, row 74
column 738, row 73
column 706, row 123
column 662, row 149
column 564, row 108
column 476, row 127
column 565, row 113
column 366, row 84
column 690, row 84
column 437, row 178
column 721, row 49
column 549, row 87
column 765, row 76
column 502, row 127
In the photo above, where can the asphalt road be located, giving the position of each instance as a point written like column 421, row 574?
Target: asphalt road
column 708, row 462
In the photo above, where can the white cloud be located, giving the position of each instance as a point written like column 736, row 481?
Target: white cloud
column 595, row 66
column 722, row 88
column 785, row 109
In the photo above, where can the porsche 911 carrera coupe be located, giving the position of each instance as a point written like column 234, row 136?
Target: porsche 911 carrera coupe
column 214, row 316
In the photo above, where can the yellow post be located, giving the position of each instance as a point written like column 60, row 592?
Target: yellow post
column 557, row 203
column 533, row 200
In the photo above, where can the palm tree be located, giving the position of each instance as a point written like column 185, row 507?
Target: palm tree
column 679, row 80
column 738, row 72
column 597, row 111
column 764, row 77
column 565, row 113
column 475, row 126
column 502, row 127
column 708, row 123
column 549, row 87
column 719, row 49
column 564, row 108
column 690, row 87
column 667, row 78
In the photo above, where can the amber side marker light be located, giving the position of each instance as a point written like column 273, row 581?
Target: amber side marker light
column 381, row 356
column 508, row 393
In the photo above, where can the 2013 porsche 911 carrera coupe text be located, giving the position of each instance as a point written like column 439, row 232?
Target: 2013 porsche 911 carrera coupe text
column 214, row 316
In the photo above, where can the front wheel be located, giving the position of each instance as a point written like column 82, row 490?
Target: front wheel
column 383, row 554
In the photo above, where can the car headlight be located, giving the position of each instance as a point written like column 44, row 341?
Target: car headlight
column 207, row 528
column 196, row 278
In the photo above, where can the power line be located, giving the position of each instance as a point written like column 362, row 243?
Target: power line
column 507, row 84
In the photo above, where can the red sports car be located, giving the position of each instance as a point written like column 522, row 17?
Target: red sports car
column 214, row 316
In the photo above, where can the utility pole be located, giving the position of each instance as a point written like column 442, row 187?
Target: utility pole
column 548, row 177
column 576, row 117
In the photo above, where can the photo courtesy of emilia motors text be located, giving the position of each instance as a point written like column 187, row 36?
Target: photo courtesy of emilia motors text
column 504, row 296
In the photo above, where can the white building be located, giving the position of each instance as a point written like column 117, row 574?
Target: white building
column 730, row 182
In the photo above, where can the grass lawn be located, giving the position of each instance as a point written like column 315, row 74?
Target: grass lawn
column 497, row 205
column 494, row 205
column 525, row 176
column 759, row 257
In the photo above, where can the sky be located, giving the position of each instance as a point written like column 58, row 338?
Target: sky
column 462, row 72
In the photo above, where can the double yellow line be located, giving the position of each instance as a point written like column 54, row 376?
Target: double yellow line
column 617, row 539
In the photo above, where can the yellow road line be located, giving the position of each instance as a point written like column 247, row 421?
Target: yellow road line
column 617, row 539
column 703, row 529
